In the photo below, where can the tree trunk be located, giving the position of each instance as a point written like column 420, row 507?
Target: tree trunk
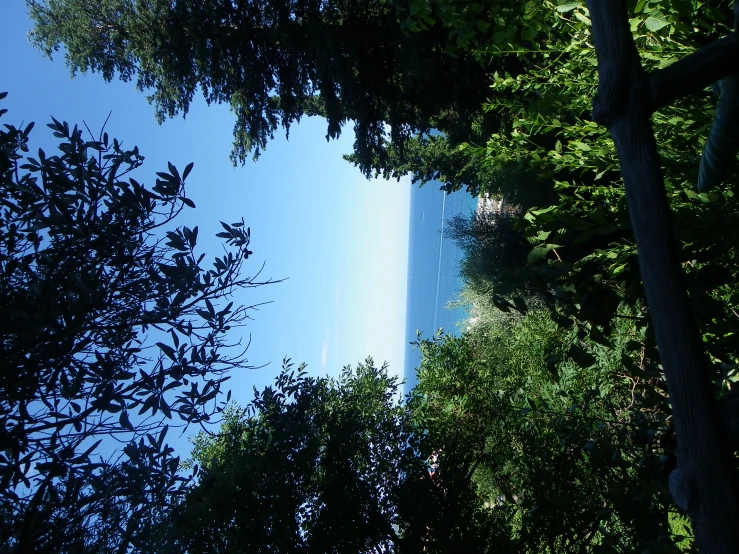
column 627, row 97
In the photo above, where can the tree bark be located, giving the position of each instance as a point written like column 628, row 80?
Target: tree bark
column 627, row 97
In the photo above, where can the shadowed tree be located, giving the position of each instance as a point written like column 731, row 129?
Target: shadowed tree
column 110, row 328
column 327, row 465
column 273, row 62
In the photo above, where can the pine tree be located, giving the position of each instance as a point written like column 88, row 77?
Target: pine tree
column 274, row 61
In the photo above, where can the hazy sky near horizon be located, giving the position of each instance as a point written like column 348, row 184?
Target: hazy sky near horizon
column 340, row 239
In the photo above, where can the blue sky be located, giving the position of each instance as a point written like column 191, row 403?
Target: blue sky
column 340, row 239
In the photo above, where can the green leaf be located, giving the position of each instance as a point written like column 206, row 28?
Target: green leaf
column 582, row 18
column 567, row 5
column 617, row 270
column 539, row 252
column 656, row 22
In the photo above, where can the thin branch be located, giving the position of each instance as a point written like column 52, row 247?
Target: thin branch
column 694, row 73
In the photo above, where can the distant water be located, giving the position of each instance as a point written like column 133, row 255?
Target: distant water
column 433, row 268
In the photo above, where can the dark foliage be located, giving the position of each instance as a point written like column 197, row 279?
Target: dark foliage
column 274, row 62
column 84, row 281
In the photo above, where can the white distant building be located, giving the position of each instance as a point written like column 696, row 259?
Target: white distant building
column 487, row 205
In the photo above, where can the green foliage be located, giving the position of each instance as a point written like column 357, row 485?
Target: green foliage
column 682, row 533
column 322, row 465
column 492, row 246
column 478, row 24
column 548, row 419
column 551, row 40
column 427, row 158
column 541, row 440
column 556, row 433
column 582, row 262
column 274, row 62
column 582, row 258
column 83, row 278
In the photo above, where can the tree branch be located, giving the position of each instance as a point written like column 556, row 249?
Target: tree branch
column 695, row 72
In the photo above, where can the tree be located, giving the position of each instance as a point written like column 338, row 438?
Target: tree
column 90, row 279
column 556, row 432
column 491, row 244
column 324, row 465
column 274, row 62
column 647, row 90
column 432, row 157
column 583, row 252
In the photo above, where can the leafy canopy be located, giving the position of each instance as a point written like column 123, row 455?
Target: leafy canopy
column 272, row 62
column 324, row 465
column 110, row 328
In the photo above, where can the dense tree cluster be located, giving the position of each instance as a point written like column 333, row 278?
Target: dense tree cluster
column 275, row 62
column 605, row 295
